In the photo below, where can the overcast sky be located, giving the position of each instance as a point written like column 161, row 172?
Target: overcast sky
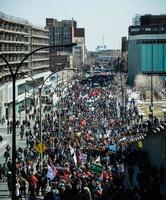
column 110, row 18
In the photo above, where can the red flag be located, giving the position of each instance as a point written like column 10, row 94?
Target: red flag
column 83, row 122
column 94, row 93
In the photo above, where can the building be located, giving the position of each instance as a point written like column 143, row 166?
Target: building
column 104, row 57
column 124, row 46
column 40, row 60
column 79, row 51
column 147, row 46
column 124, row 53
column 60, row 32
column 66, row 32
column 18, row 37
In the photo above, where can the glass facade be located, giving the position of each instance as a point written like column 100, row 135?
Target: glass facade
column 134, row 61
column 146, row 57
column 153, row 58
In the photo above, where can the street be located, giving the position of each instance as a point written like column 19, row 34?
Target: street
column 91, row 137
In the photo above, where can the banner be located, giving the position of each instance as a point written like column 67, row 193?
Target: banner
column 94, row 93
column 140, row 145
column 73, row 153
column 83, row 158
column 51, row 173
column 96, row 168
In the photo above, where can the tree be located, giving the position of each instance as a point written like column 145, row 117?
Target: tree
column 157, row 85
column 143, row 84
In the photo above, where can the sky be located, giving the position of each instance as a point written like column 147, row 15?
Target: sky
column 108, row 19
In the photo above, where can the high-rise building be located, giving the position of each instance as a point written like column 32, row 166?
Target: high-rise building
column 18, row 37
column 124, row 53
column 66, row 32
column 147, row 46
column 39, row 38
column 124, row 45
column 60, row 32
column 79, row 51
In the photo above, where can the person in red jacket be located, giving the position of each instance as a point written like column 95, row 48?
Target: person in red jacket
column 32, row 185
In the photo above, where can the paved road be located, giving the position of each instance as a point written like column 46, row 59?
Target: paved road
column 7, row 139
column 4, row 193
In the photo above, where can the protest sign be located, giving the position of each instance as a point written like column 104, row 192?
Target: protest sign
column 96, row 168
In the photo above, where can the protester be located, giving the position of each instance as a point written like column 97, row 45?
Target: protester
column 88, row 129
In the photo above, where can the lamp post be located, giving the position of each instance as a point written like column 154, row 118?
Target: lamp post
column 52, row 109
column 25, row 103
column 26, row 97
column 59, row 112
column 122, row 90
column 151, row 99
column 40, row 102
column 14, row 76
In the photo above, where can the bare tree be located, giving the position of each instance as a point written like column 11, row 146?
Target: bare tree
column 143, row 84
column 157, row 85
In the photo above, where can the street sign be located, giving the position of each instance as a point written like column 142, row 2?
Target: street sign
column 52, row 138
column 96, row 168
column 40, row 147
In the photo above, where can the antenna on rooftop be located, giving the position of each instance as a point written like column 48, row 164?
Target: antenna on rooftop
column 103, row 45
column 103, row 40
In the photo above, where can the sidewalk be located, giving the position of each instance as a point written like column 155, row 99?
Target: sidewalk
column 6, row 138
column 3, row 126
column 2, row 146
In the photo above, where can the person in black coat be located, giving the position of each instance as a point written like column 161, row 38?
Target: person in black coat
column 1, row 138
column 49, row 196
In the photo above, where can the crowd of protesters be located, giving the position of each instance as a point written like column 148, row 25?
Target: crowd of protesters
column 88, row 126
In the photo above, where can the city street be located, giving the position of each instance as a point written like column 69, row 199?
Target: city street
column 4, row 192
column 85, row 131
column 7, row 139
column 82, row 100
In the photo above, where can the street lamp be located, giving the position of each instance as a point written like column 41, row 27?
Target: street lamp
column 54, row 91
column 27, row 90
column 59, row 111
column 151, row 99
column 122, row 89
column 14, row 77
column 40, row 102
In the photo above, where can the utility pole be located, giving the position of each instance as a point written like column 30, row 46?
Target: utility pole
column 25, row 102
column 40, row 111
column 59, row 132
column 122, row 90
column 151, row 99
column 53, row 114
column 14, row 78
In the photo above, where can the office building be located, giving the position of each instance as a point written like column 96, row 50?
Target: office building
column 147, row 46
column 18, row 37
column 79, row 51
column 124, row 54
column 60, row 32
column 66, row 32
